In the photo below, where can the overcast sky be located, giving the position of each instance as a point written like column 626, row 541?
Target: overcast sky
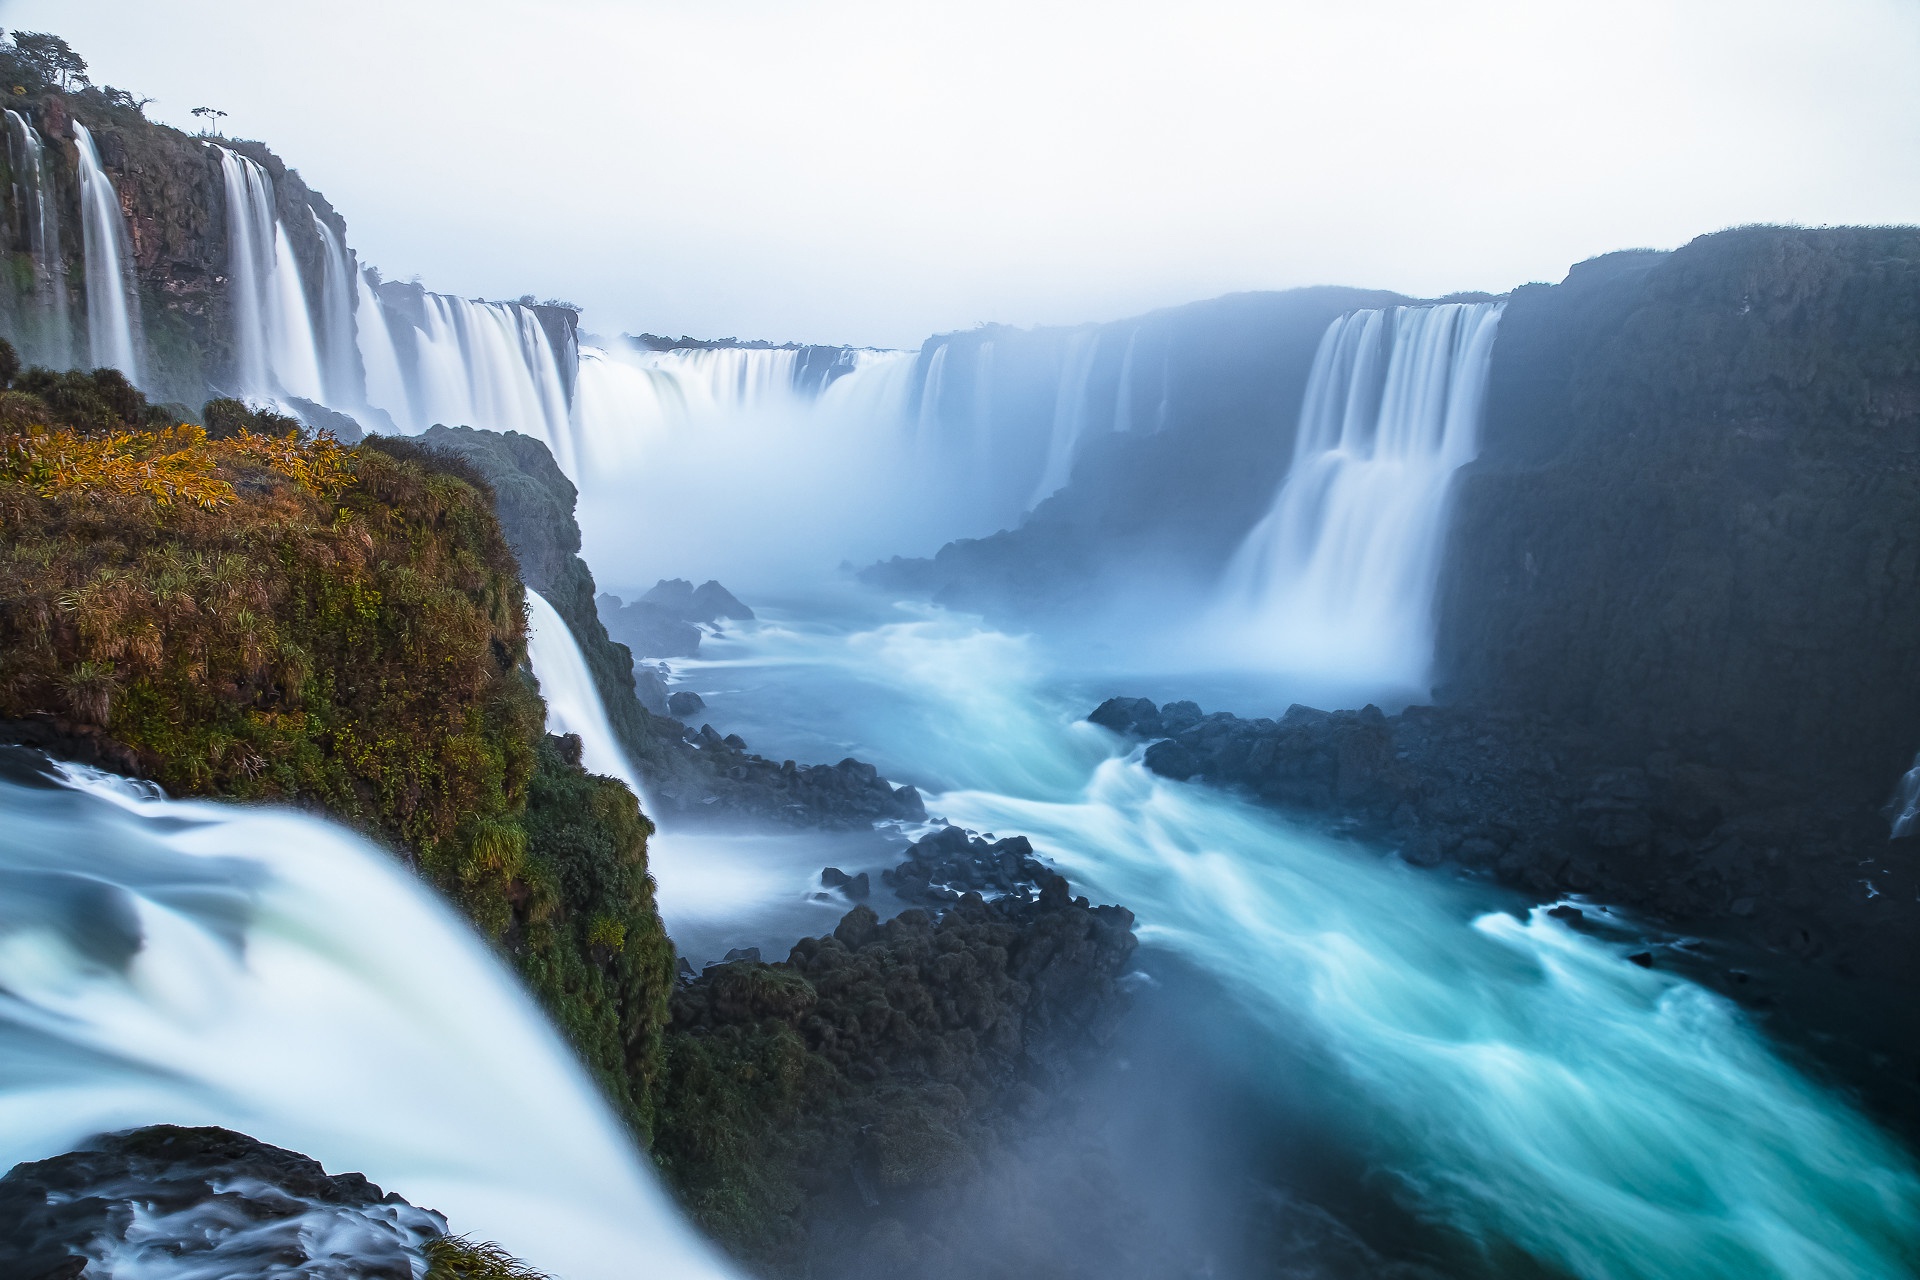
column 869, row 172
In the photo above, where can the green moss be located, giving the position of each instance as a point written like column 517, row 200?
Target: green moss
column 590, row 943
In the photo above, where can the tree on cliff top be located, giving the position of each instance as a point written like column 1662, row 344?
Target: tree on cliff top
column 52, row 58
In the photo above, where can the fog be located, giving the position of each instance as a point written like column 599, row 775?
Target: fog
column 869, row 173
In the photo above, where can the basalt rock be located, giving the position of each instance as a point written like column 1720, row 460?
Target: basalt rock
column 210, row 1202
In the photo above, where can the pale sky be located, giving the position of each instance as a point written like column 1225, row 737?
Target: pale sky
column 866, row 172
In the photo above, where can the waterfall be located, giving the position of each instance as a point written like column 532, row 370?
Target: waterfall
column 113, row 305
column 1123, row 393
column 573, row 703
column 723, row 441
column 467, row 363
column 1069, row 414
column 1338, row 577
column 273, row 342
column 203, row 964
column 340, row 370
column 1905, row 809
column 927, row 427
column 46, row 338
column 385, row 384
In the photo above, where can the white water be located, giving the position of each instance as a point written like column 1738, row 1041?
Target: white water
column 274, row 350
column 468, row 363
column 193, row 963
column 1069, row 414
column 1521, row 1081
column 47, row 339
column 1906, row 803
column 691, row 457
column 573, row 703
column 113, row 308
column 1338, row 577
column 340, row 371
column 385, row 385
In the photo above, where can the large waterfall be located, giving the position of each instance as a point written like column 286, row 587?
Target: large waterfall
column 573, row 703
column 340, row 371
column 1338, row 577
column 113, row 304
column 45, row 327
column 194, row 963
column 434, row 358
column 1070, row 413
column 733, row 441
column 273, row 342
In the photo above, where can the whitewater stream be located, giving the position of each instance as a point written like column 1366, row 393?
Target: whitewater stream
column 1518, row 1080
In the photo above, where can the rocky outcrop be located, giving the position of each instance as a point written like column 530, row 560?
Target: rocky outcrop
column 666, row 621
column 1692, row 514
column 880, row 1067
column 700, row 775
column 214, row 1202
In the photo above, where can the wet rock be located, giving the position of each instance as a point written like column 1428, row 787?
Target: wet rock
column 206, row 1201
column 685, row 702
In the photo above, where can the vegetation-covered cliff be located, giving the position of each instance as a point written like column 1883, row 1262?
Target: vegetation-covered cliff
column 267, row 617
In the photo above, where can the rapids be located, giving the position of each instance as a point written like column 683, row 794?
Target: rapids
column 194, row 963
column 1514, row 1078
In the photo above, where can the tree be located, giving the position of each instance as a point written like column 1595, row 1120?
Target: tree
column 53, row 58
column 210, row 119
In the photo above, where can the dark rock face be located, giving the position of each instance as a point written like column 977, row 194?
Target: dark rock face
column 876, row 1069
column 230, row 1205
column 703, row 775
column 685, row 702
column 1692, row 513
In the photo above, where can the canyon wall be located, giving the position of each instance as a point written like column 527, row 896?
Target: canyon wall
column 1692, row 517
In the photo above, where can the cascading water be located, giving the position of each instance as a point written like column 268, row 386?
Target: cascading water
column 341, row 376
column 46, row 332
column 385, row 385
column 273, row 342
column 1123, row 393
column 573, row 703
column 724, row 441
column 113, row 305
column 194, row 963
column 1338, row 577
column 468, row 363
column 1069, row 414
column 1512, row 1076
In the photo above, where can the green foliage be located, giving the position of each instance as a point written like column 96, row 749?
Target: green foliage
column 461, row 1258
column 588, row 936
column 225, row 418
column 102, row 400
column 39, row 61
column 266, row 617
